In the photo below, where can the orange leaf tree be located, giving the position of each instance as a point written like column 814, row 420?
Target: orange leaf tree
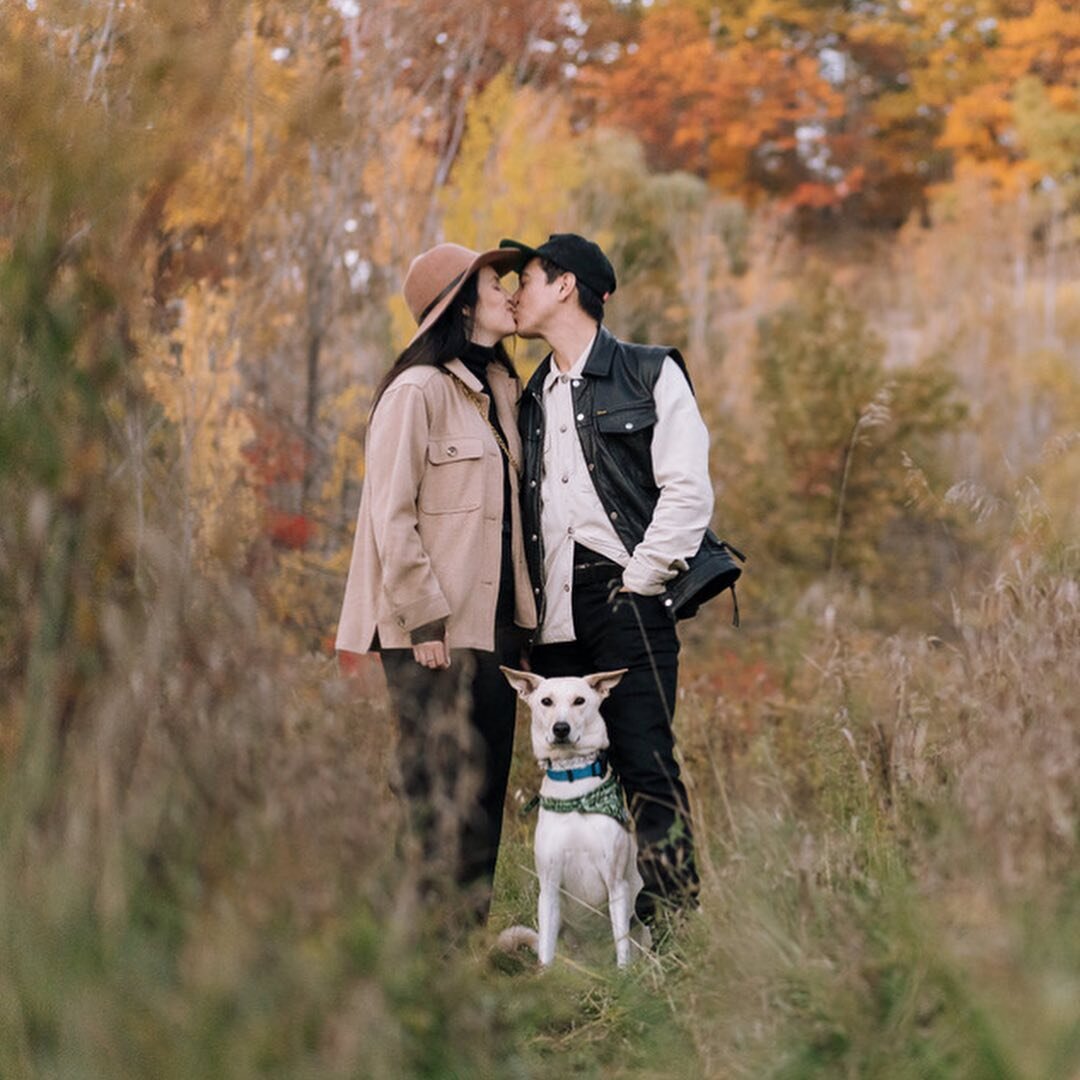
column 743, row 116
column 854, row 107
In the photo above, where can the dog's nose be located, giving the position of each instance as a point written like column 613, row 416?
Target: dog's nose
column 560, row 730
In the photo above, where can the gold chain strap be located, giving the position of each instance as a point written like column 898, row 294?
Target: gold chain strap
column 480, row 401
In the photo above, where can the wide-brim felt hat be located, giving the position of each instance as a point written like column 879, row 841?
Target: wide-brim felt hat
column 436, row 276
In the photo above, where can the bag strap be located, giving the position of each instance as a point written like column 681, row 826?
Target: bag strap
column 483, row 403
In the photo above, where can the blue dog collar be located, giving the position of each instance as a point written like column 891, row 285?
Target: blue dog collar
column 596, row 768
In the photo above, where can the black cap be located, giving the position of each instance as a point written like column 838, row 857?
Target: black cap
column 581, row 257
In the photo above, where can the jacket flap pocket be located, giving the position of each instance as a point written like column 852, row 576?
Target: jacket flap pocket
column 628, row 419
column 454, row 448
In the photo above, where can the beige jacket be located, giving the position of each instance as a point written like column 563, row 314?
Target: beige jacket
column 428, row 538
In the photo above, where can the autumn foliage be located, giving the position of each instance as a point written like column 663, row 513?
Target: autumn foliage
column 857, row 108
column 858, row 220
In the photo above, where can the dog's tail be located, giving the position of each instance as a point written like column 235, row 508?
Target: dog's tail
column 514, row 937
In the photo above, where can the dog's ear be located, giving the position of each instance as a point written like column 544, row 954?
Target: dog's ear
column 524, row 682
column 603, row 682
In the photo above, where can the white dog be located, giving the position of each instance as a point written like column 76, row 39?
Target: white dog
column 584, row 844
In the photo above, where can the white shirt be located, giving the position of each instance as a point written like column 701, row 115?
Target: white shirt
column 571, row 511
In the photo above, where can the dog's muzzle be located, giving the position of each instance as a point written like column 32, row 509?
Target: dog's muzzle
column 560, row 733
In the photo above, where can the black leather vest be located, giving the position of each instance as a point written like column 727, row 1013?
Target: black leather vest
column 615, row 414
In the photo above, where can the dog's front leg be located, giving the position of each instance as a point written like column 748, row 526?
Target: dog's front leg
column 619, row 912
column 548, row 918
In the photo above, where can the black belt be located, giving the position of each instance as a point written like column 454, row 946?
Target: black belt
column 591, row 567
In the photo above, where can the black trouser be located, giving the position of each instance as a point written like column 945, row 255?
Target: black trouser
column 456, row 739
column 638, row 713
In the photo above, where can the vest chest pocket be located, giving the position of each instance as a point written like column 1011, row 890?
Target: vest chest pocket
column 627, row 419
column 626, row 437
column 453, row 482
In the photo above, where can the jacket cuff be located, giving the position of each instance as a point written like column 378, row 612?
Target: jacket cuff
column 430, row 631
column 643, row 580
column 422, row 611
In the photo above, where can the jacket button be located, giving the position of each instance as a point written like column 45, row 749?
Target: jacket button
column 577, row 382
column 581, row 416
column 536, row 589
column 533, row 537
column 614, row 515
column 537, row 431
column 629, row 425
column 532, row 483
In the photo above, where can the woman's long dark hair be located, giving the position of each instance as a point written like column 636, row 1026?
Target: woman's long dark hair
column 445, row 340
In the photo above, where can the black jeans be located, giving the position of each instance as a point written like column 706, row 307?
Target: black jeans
column 638, row 713
column 456, row 739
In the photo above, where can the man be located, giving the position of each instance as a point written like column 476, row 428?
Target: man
column 617, row 498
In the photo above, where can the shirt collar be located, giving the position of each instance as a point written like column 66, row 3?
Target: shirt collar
column 458, row 368
column 575, row 370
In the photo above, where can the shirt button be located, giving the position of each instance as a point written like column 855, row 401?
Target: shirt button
column 562, row 427
column 564, row 378
column 570, row 531
column 451, row 451
column 566, row 588
column 566, row 479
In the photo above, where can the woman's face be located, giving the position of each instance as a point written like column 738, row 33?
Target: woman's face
column 493, row 318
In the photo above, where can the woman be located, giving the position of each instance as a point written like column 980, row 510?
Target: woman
column 438, row 582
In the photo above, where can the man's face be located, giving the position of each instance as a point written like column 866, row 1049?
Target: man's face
column 537, row 300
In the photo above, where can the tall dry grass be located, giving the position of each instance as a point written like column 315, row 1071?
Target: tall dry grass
column 198, row 874
column 894, row 888
column 888, row 830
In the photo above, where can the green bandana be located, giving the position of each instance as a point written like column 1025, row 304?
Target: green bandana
column 606, row 799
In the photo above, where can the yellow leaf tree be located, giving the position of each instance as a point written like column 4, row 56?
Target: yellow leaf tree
column 193, row 374
column 517, row 169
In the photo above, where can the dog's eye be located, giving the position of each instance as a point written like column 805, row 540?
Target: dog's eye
column 579, row 701
column 546, row 701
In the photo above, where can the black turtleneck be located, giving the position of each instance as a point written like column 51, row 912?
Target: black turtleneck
column 476, row 358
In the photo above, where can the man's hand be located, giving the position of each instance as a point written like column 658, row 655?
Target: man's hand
column 432, row 654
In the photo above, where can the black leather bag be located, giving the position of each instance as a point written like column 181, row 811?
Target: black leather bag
column 710, row 572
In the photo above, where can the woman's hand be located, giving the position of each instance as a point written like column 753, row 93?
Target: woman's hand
column 432, row 654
